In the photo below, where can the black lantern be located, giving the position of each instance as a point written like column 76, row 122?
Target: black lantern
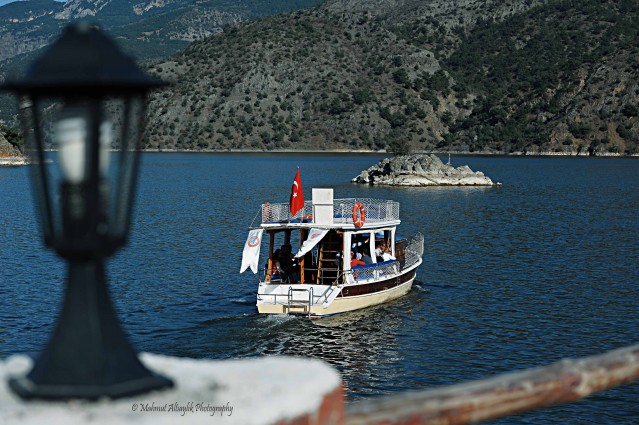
column 83, row 106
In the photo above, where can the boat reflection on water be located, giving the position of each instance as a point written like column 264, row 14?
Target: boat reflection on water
column 363, row 345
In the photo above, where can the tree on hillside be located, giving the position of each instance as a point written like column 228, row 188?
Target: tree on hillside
column 398, row 143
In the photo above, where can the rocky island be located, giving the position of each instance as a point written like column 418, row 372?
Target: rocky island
column 421, row 170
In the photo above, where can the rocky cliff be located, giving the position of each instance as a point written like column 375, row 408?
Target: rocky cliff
column 10, row 153
column 6, row 148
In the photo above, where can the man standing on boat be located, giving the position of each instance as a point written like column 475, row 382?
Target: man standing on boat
column 287, row 264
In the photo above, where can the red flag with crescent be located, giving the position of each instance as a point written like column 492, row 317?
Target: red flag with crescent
column 297, row 194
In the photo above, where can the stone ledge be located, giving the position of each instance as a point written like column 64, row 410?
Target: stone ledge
column 257, row 391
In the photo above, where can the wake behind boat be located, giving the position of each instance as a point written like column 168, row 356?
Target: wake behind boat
column 348, row 255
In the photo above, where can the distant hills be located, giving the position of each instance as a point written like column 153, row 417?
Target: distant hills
column 147, row 29
column 151, row 29
column 529, row 76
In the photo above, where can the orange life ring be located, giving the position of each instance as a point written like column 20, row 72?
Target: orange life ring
column 359, row 214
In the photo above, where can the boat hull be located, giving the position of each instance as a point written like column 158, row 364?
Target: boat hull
column 351, row 297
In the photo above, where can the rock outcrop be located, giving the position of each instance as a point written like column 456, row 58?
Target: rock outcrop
column 421, row 170
column 9, row 154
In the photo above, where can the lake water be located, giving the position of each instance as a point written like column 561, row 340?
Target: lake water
column 543, row 268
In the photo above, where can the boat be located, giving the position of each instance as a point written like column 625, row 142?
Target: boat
column 321, row 277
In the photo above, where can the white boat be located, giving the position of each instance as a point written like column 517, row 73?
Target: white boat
column 325, row 232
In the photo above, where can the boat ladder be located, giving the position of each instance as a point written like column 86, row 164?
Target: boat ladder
column 303, row 303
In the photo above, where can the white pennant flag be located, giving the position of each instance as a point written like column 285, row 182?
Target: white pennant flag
column 314, row 236
column 251, row 253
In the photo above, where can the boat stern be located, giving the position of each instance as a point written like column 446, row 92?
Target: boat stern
column 295, row 299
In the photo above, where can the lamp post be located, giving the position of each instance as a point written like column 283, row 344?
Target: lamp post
column 86, row 100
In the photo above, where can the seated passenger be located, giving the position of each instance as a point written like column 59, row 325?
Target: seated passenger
column 379, row 253
column 355, row 261
column 387, row 255
column 274, row 271
column 367, row 259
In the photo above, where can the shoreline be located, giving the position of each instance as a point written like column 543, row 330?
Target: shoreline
column 383, row 152
column 13, row 161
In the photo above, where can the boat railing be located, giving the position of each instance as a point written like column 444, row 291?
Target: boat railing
column 327, row 293
column 375, row 271
column 306, row 302
column 376, row 210
column 378, row 271
column 414, row 250
column 315, row 299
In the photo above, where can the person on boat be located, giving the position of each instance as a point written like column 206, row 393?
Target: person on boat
column 366, row 259
column 379, row 253
column 275, row 265
column 355, row 261
column 387, row 255
column 288, row 267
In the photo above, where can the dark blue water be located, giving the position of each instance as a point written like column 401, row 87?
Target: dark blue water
column 540, row 269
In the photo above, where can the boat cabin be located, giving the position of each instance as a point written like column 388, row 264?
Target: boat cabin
column 329, row 239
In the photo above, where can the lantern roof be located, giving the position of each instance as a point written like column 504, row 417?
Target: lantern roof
column 83, row 61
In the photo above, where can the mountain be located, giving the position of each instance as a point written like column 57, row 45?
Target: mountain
column 526, row 76
column 27, row 25
column 147, row 29
column 556, row 76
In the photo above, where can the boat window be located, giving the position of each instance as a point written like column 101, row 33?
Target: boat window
column 361, row 247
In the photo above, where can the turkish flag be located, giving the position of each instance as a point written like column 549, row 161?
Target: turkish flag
column 297, row 194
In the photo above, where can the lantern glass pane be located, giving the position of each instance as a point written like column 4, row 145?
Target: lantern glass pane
column 124, row 162
column 30, row 114
column 85, row 156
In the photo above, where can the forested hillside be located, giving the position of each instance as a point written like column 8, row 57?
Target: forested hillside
column 559, row 77
column 527, row 76
column 546, row 76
